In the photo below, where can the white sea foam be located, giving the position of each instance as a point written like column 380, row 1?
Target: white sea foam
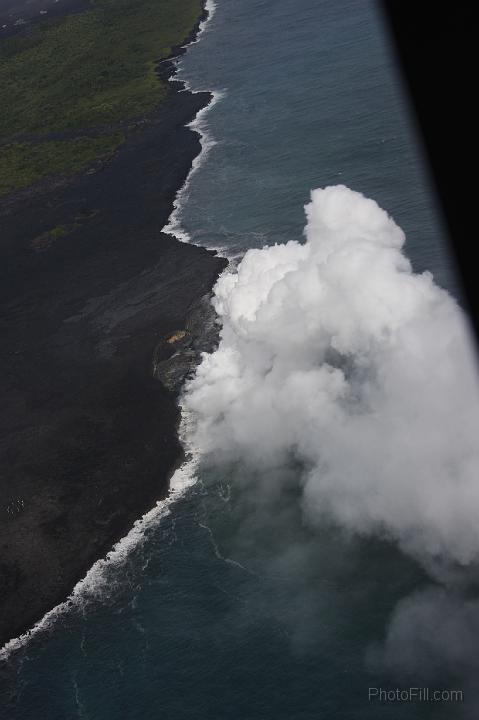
column 174, row 226
column 199, row 125
column 210, row 7
column 96, row 580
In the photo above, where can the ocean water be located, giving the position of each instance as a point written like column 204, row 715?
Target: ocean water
column 220, row 609
column 308, row 95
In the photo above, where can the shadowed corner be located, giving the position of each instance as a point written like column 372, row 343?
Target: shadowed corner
column 436, row 53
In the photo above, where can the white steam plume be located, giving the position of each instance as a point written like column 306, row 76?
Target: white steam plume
column 335, row 353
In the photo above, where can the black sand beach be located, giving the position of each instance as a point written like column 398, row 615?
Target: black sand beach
column 88, row 435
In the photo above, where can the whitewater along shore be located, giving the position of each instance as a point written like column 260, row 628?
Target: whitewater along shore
column 95, row 299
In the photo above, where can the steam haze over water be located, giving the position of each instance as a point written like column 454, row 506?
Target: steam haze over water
column 236, row 606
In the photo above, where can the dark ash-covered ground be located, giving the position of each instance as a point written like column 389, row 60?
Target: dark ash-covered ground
column 89, row 290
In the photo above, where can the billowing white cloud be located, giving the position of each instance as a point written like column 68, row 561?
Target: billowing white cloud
column 335, row 353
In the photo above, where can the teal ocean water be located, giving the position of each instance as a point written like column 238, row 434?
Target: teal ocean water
column 224, row 609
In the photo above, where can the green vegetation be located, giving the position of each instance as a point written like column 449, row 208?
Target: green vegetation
column 90, row 70
column 59, row 231
column 42, row 242
column 21, row 164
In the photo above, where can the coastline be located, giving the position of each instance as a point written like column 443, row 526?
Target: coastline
column 90, row 433
column 174, row 225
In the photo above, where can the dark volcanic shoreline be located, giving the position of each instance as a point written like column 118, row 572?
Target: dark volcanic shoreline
column 90, row 290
